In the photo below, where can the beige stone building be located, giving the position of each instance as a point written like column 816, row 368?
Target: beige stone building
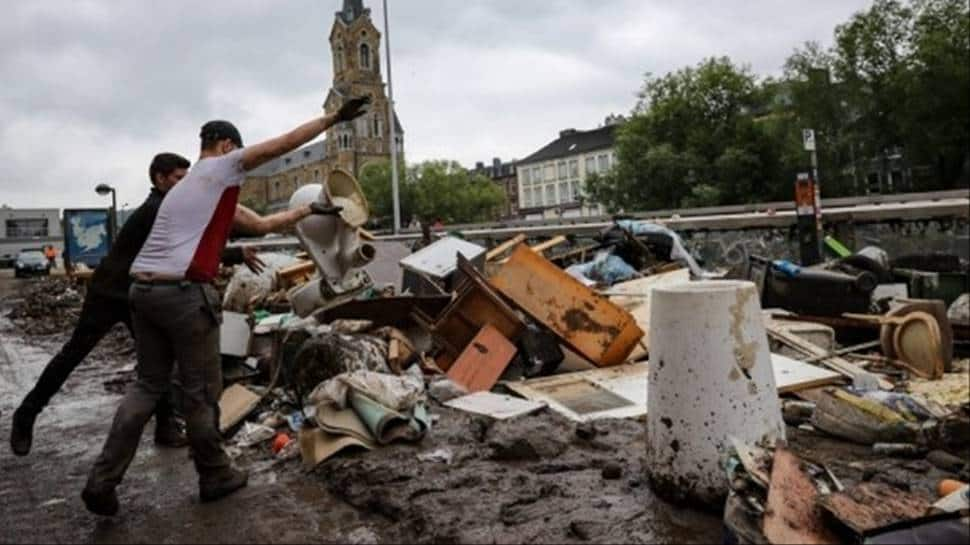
column 355, row 49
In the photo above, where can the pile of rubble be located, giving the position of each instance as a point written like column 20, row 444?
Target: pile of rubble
column 47, row 307
column 864, row 353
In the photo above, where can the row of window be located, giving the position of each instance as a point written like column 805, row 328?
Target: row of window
column 564, row 170
column 27, row 227
column 552, row 194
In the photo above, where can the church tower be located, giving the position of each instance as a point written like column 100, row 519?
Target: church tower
column 355, row 46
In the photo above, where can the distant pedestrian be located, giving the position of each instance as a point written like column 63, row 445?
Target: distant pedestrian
column 51, row 254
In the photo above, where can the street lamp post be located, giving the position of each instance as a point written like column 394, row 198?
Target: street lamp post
column 393, row 126
column 104, row 189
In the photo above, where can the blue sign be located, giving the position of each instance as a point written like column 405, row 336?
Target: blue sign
column 87, row 235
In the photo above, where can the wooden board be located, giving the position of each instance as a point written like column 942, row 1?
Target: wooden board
column 870, row 506
column 551, row 243
column 587, row 322
column 504, row 247
column 634, row 297
column 235, row 404
column 613, row 392
column 621, row 391
column 791, row 515
column 496, row 406
column 482, row 362
column 806, row 348
column 793, row 375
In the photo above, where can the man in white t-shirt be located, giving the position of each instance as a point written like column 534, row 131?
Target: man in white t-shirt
column 176, row 311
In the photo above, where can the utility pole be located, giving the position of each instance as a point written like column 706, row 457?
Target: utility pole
column 393, row 126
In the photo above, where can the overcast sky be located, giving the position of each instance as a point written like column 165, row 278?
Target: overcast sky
column 91, row 89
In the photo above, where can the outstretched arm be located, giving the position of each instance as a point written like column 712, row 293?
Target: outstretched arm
column 255, row 155
column 248, row 222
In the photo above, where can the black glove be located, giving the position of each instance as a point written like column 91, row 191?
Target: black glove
column 352, row 109
column 325, row 210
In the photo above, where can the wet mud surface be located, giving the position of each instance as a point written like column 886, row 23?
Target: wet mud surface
column 538, row 478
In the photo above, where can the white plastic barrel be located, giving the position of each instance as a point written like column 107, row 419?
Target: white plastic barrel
column 710, row 379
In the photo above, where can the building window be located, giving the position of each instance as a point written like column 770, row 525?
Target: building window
column 339, row 58
column 525, row 177
column 590, row 165
column 574, row 168
column 562, row 170
column 316, row 175
column 536, row 175
column 564, row 192
column 576, row 190
column 27, row 227
column 527, row 197
column 604, row 163
column 550, row 173
column 376, row 126
column 365, row 56
column 550, row 194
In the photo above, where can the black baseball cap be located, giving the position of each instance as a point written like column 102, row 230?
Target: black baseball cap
column 213, row 131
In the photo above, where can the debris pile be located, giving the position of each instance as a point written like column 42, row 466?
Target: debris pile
column 49, row 306
column 805, row 393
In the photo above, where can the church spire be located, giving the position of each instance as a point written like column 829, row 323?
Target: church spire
column 352, row 10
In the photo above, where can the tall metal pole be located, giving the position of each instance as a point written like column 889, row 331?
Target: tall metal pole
column 114, row 216
column 393, row 126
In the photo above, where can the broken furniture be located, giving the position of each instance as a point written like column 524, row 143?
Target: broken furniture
column 482, row 362
column 333, row 244
column 619, row 391
column 430, row 270
column 589, row 323
column 916, row 341
column 474, row 306
column 634, row 296
column 936, row 308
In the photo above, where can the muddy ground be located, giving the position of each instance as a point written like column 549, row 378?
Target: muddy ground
column 539, row 478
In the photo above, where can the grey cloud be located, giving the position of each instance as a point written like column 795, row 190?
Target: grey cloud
column 93, row 88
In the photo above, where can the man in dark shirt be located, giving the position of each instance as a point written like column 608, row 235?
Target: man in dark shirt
column 106, row 304
column 106, row 301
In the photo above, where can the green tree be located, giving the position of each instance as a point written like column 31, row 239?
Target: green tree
column 430, row 191
column 375, row 181
column 897, row 78
column 446, row 191
column 695, row 126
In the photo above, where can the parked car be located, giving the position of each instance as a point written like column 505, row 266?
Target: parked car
column 31, row 263
column 7, row 261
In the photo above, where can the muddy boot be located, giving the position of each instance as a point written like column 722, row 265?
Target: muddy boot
column 170, row 433
column 22, row 431
column 223, row 484
column 103, row 501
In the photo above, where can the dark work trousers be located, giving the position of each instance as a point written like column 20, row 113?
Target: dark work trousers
column 99, row 314
column 173, row 323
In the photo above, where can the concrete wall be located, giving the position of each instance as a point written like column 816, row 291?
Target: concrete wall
column 731, row 248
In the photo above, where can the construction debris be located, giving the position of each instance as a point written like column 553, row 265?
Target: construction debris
column 322, row 365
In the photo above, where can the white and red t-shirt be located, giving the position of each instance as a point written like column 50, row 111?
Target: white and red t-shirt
column 194, row 220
